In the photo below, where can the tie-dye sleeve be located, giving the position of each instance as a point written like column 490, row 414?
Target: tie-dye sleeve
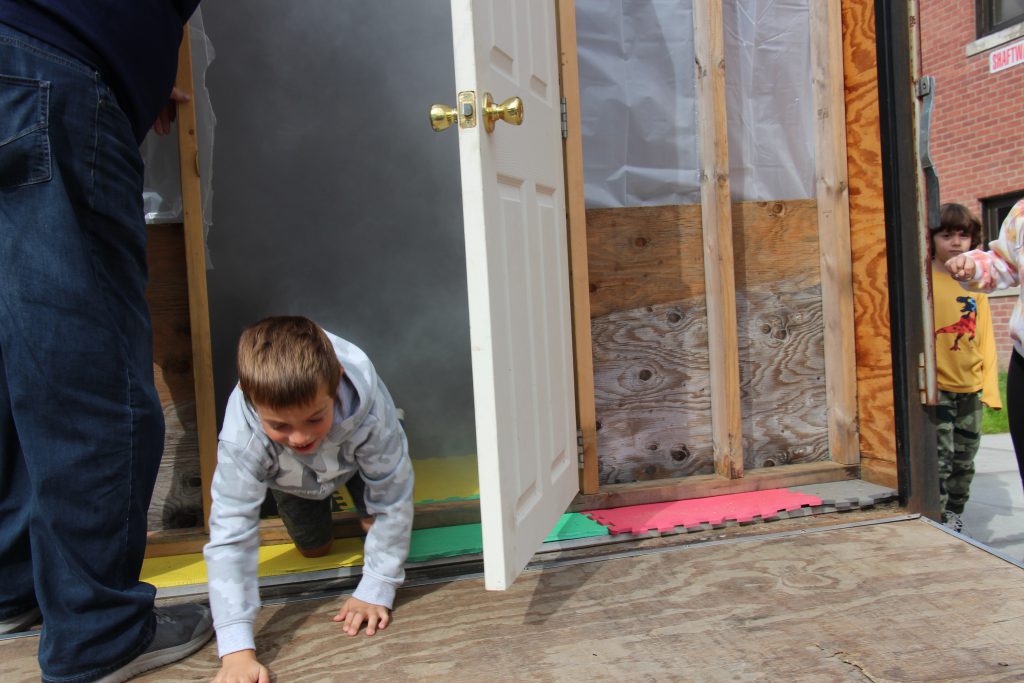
column 999, row 268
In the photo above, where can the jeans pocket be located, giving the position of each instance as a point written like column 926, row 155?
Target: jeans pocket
column 24, row 139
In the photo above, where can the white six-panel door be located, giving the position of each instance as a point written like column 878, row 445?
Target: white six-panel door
column 514, row 212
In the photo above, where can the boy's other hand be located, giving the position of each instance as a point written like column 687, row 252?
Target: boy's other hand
column 241, row 667
column 961, row 267
column 354, row 612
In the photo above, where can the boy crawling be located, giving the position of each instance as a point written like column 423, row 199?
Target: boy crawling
column 308, row 414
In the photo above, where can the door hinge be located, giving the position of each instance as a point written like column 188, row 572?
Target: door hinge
column 579, row 440
column 565, row 121
column 926, row 93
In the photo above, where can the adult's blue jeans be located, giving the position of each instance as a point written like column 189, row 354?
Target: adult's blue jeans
column 81, row 427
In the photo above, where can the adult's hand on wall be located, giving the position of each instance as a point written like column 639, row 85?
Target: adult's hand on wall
column 162, row 125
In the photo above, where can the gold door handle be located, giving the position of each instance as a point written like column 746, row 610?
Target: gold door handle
column 441, row 116
column 509, row 111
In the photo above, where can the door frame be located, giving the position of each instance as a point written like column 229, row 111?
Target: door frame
column 835, row 255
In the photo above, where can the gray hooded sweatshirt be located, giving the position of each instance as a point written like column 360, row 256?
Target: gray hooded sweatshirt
column 365, row 440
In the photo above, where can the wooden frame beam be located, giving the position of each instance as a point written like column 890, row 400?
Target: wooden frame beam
column 579, row 275
column 832, row 189
column 195, row 260
column 716, row 220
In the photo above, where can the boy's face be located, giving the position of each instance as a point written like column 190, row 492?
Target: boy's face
column 949, row 243
column 300, row 428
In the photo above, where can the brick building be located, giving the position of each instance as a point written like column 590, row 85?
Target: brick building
column 975, row 51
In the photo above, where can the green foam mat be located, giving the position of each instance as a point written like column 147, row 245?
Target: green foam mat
column 467, row 539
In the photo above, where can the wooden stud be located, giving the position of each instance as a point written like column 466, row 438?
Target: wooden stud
column 195, row 259
column 834, row 229
column 577, row 224
column 716, row 221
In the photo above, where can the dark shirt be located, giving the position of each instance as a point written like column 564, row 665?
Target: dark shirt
column 132, row 43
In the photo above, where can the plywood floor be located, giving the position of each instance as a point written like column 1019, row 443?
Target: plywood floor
column 895, row 601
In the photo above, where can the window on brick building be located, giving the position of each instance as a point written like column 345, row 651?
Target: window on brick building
column 995, row 15
column 993, row 211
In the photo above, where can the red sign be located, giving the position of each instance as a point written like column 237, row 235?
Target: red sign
column 1005, row 57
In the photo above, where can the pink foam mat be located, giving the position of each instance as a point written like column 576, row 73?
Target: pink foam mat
column 664, row 517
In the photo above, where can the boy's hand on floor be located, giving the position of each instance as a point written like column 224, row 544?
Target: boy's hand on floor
column 354, row 612
column 241, row 667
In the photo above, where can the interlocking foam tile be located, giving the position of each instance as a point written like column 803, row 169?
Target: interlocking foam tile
column 441, row 479
column 274, row 560
column 427, row 544
column 437, row 480
column 664, row 517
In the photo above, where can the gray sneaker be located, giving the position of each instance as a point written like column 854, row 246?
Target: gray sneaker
column 19, row 622
column 180, row 631
column 952, row 521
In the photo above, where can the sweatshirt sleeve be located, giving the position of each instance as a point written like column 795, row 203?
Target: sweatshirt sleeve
column 385, row 466
column 232, row 554
column 989, row 362
column 999, row 268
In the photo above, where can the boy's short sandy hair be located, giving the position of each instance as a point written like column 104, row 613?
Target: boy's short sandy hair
column 959, row 217
column 286, row 361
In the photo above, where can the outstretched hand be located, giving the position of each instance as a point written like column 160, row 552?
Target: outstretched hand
column 241, row 667
column 354, row 612
column 162, row 125
column 961, row 267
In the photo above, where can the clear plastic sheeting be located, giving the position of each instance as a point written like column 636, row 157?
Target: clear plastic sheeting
column 638, row 101
column 162, row 185
column 769, row 99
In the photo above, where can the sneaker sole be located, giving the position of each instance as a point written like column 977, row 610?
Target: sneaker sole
column 152, row 660
column 19, row 623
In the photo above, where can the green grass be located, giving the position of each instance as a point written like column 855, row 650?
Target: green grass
column 996, row 421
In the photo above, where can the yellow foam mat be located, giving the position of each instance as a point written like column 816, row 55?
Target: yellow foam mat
column 275, row 560
column 437, row 479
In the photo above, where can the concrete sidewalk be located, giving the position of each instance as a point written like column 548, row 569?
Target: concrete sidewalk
column 995, row 512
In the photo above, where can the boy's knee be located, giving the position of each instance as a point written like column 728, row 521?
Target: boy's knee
column 316, row 552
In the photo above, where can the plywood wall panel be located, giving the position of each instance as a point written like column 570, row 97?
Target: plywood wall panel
column 867, row 231
column 649, row 328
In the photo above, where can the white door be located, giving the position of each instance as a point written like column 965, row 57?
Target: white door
column 514, row 211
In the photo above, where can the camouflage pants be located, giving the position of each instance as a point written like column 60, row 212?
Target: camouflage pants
column 959, row 435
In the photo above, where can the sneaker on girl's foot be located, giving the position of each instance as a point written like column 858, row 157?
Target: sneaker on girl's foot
column 953, row 521
column 180, row 631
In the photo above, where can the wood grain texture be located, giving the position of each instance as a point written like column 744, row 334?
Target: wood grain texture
column 716, row 220
column 854, row 604
column 577, row 226
column 177, row 496
column 653, row 390
column 195, row 263
column 834, row 228
column 867, row 237
column 651, row 366
column 649, row 255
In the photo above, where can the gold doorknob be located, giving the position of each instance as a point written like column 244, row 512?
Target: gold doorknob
column 442, row 116
column 509, row 111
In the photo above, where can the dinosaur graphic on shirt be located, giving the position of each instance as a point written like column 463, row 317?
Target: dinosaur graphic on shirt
column 965, row 325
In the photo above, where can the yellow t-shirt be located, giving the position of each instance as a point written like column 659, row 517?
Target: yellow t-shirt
column 965, row 345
